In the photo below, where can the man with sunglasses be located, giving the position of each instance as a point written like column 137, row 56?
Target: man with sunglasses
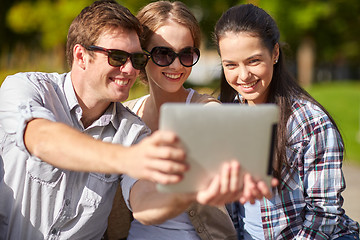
column 65, row 138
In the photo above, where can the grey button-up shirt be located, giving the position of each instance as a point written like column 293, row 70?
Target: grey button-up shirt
column 38, row 200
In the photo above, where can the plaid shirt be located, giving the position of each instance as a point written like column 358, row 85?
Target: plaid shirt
column 309, row 205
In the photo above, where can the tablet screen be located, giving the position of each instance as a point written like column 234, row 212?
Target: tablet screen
column 216, row 133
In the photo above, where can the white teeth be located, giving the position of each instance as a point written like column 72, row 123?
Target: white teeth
column 174, row 76
column 122, row 82
column 249, row 85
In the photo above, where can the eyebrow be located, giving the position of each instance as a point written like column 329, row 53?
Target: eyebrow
column 247, row 59
column 254, row 56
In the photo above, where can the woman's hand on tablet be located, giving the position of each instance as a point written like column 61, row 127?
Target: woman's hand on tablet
column 233, row 184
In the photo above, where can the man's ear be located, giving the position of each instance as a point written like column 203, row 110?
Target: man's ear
column 80, row 56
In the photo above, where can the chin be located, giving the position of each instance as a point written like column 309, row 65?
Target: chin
column 121, row 98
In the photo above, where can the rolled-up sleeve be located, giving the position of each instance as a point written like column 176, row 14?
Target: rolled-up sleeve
column 127, row 183
column 21, row 100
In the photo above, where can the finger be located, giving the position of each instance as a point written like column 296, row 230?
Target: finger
column 255, row 192
column 161, row 137
column 275, row 182
column 249, row 185
column 230, row 184
column 208, row 195
column 235, row 177
column 264, row 189
column 167, row 166
column 169, row 153
column 163, row 178
column 163, row 145
column 225, row 178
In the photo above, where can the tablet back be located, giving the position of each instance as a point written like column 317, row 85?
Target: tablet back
column 214, row 134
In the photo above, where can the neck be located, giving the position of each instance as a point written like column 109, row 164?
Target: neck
column 159, row 96
column 91, row 111
column 92, row 107
column 150, row 110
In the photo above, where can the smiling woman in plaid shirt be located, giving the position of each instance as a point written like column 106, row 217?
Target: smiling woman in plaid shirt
column 309, row 148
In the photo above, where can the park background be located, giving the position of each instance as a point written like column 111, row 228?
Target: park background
column 321, row 39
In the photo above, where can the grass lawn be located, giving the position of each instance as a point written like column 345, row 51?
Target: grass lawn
column 342, row 100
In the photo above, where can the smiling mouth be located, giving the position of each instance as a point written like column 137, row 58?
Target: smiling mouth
column 172, row 76
column 249, row 85
column 121, row 82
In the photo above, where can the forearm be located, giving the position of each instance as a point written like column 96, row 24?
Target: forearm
column 67, row 148
column 157, row 158
column 151, row 207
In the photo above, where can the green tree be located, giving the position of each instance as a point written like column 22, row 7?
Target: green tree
column 7, row 35
column 49, row 19
column 327, row 29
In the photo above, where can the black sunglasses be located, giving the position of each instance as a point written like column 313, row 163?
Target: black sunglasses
column 164, row 56
column 117, row 58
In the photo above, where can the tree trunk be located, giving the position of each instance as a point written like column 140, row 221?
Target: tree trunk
column 306, row 61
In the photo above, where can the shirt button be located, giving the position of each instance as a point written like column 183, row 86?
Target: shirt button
column 54, row 231
column 266, row 218
column 67, row 202
column 192, row 213
column 200, row 229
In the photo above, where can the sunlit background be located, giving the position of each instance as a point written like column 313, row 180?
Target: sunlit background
column 321, row 39
column 322, row 35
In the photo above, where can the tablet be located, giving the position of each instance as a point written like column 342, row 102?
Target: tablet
column 214, row 134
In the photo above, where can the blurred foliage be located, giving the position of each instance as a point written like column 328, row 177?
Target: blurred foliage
column 332, row 24
column 49, row 18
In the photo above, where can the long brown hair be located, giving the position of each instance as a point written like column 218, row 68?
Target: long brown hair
column 283, row 87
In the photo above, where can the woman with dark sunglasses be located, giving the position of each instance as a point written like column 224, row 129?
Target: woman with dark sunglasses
column 172, row 41
column 171, row 37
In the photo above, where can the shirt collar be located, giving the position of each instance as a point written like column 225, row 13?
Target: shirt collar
column 108, row 117
column 239, row 99
column 70, row 92
column 105, row 119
